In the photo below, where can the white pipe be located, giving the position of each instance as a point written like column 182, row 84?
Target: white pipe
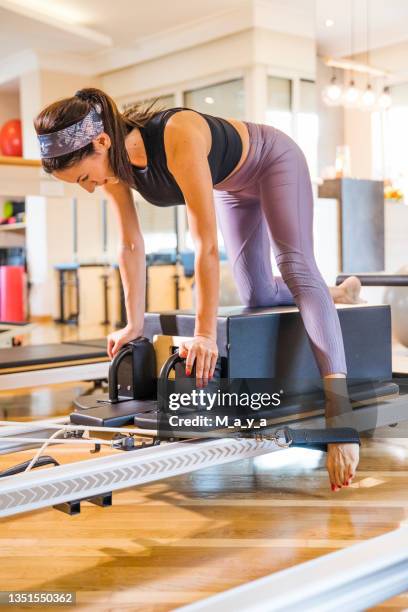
column 56, row 440
column 70, row 427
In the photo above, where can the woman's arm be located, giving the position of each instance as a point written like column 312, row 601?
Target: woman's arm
column 131, row 256
column 187, row 142
column 186, row 146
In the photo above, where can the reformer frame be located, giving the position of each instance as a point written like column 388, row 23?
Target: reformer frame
column 92, row 477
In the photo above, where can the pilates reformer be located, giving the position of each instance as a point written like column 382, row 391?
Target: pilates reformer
column 10, row 332
column 45, row 364
column 126, row 420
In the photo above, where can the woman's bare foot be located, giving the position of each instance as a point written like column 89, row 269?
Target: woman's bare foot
column 348, row 292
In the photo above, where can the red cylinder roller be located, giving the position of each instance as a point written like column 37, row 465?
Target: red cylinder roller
column 12, row 293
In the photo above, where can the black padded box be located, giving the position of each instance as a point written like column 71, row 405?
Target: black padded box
column 272, row 342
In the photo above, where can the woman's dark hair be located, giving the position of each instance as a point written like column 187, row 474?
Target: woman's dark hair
column 68, row 111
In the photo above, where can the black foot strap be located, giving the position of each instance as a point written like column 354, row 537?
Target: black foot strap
column 318, row 439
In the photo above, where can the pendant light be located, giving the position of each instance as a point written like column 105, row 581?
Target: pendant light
column 332, row 94
column 385, row 100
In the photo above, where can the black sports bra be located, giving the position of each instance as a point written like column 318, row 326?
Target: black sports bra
column 156, row 183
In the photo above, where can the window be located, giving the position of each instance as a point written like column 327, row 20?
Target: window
column 225, row 100
column 162, row 102
column 389, row 138
column 303, row 125
column 221, row 99
column 158, row 224
column 308, row 124
column 279, row 104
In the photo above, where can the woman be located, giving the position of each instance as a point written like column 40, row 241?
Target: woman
column 252, row 178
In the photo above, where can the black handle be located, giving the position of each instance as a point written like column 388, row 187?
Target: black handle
column 114, row 366
column 167, row 367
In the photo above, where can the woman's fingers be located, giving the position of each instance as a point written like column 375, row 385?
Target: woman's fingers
column 182, row 350
column 342, row 462
column 331, row 471
column 191, row 355
column 200, row 357
column 339, row 471
column 206, row 366
column 205, row 360
column 111, row 344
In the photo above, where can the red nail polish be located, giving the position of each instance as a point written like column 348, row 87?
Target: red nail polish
column 333, row 488
column 188, row 372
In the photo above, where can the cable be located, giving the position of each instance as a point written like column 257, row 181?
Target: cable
column 43, row 447
column 71, row 427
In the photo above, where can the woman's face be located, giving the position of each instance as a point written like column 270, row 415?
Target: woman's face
column 92, row 171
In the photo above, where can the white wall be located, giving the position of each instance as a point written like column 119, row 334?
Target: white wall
column 9, row 106
column 285, row 53
column 182, row 68
column 226, row 57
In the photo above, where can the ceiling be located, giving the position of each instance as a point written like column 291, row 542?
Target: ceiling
column 387, row 20
column 92, row 28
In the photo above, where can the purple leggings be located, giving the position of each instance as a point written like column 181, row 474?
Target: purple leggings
column 269, row 201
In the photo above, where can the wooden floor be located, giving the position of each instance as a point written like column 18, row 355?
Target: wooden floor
column 176, row 541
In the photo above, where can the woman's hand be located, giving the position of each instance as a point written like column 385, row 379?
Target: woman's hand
column 119, row 338
column 204, row 352
column 342, row 461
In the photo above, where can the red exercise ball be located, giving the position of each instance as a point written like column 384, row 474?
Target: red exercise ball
column 11, row 143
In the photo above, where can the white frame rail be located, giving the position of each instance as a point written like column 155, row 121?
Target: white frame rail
column 351, row 579
column 93, row 477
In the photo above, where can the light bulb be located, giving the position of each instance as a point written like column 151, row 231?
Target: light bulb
column 209, row 100
column 332, row 93
column 351, row 95
column 385, row 100
column 368, row 98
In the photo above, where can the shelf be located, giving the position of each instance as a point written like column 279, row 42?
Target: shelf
column 24, row 177
column 19, row 161
column 13, row 227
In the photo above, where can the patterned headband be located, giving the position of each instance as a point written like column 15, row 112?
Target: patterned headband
column 73, row 137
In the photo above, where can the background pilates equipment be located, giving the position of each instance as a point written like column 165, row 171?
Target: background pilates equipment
column 361, row 211
column 53, row 363
column 169, row 280
column 396, row 295
column 11, row 333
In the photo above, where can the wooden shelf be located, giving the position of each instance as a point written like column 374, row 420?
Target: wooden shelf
column 12, row 227
column 19, row 161
column 26, row 177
